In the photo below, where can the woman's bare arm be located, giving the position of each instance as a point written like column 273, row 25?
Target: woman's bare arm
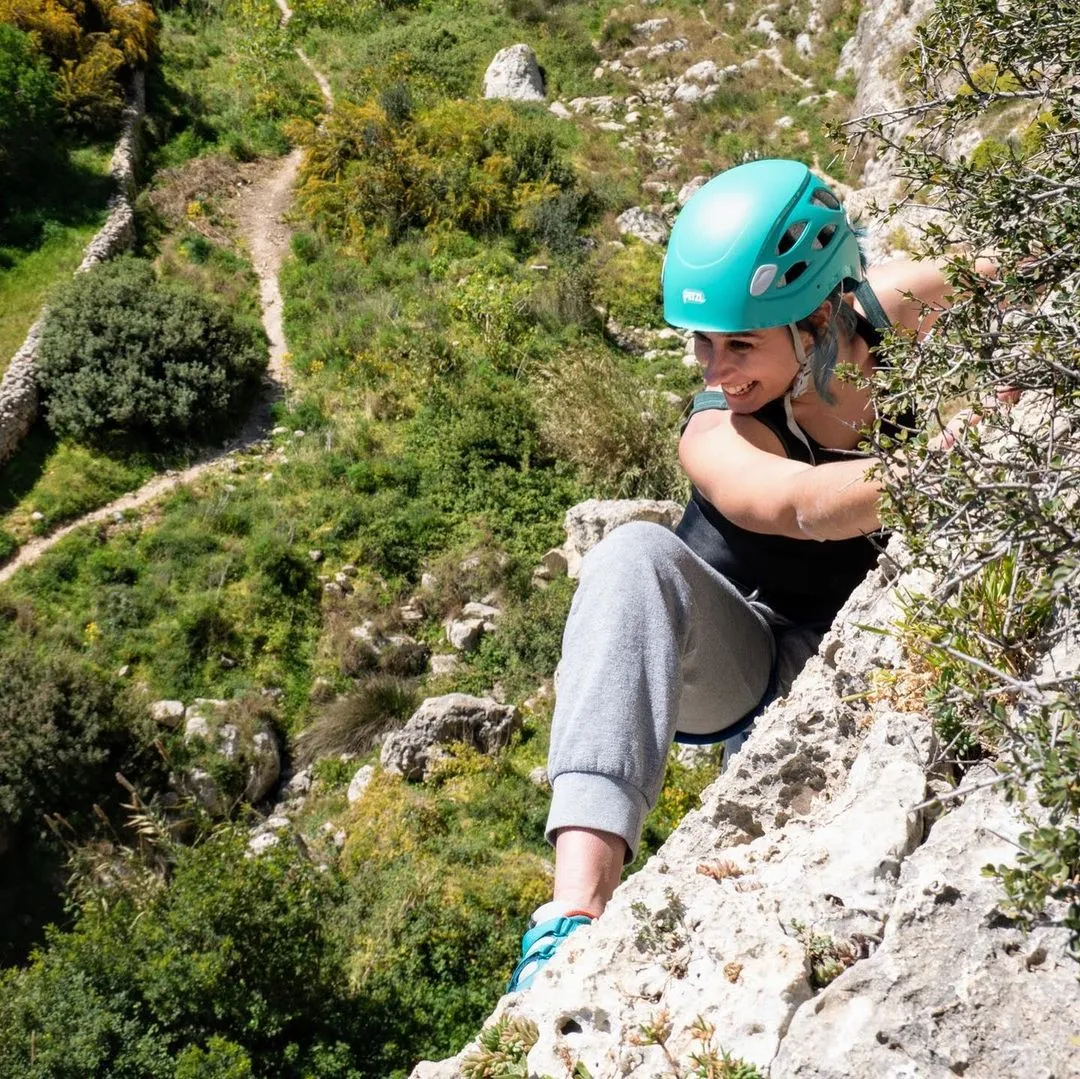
column 738, row 465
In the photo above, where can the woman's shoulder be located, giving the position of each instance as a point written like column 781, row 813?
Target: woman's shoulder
column 906, row 289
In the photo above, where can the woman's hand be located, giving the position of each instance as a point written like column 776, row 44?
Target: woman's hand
column 1003, row 398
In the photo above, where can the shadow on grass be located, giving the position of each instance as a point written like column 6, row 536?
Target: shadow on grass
column 31, row 897
column 18, row 476
column 64, row 192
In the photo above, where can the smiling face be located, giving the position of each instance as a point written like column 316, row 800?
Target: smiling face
column 751, row 369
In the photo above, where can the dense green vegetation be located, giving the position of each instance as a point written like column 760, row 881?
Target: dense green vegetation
column 64, row 67
column 455, row 389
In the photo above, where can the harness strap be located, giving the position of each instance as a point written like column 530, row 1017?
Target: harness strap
column 872, row 305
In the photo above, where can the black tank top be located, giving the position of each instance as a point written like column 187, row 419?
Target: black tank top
column 806, row 581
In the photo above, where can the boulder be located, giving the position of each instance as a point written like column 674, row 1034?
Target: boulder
column 648, row 227
column 514, row 75
column 690, row 93
column 465, row 633
column 689, row 190
column 485, row 611
column 440, row 721
column 589, row 522
column 650, row 26
column 167, row 713
column 603, row 105
column 703, row 71
column 444, row 663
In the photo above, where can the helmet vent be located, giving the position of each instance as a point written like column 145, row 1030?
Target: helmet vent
column 793, row 274
column 824, row 197
column 791, row 237
column 823, row 237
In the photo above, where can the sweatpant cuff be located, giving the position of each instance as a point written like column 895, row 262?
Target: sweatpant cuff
column 587, row 800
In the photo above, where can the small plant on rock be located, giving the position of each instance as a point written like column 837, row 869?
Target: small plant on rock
column 706, row 1062
column 828, row 957
column 661, row 931
column 501, row 1050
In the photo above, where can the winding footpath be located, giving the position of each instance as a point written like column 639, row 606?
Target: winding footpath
column 260, row 213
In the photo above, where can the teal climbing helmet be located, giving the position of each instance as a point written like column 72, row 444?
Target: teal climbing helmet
column 761, row 245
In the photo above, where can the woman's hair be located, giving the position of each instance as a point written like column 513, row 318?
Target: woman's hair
column 827, row 340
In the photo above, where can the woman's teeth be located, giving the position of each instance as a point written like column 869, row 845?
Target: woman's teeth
column 738, row 391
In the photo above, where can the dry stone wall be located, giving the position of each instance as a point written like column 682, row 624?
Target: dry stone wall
column 18, row 388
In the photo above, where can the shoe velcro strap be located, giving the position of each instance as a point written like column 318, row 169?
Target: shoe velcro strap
column 556, row 928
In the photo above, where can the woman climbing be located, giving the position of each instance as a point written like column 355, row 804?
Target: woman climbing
column 687, row 635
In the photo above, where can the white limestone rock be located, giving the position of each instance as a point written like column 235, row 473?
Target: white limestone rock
column 167, row 713
column 602, row 105
column 248, row 742
column 648, row 227
column 587, row 523
column 464, row 633
column 456, row 717
column 955, row 987
column 360, row 783
column 514, row 75
column 262, row 842
column 444, row 663
column 650, row 27
column 885, row 31
column 690, row 189
column 704, row 71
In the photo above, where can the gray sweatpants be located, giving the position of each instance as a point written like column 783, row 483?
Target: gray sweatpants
column 657, row 641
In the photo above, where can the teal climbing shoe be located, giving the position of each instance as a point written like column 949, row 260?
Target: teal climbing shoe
column 539, row 945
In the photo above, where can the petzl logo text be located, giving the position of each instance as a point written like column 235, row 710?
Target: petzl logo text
column 693, row 295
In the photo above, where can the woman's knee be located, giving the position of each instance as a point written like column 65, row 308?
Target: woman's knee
column 634, row 548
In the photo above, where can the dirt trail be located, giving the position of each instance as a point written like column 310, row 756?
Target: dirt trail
column 260, row 214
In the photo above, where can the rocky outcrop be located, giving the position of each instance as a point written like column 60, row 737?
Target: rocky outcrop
column 643, row 225
column 18, row 388
column 246, row 743
column 589, row 522
column 480, row 722
column 514, row 75
column 814, row 912
column 465, row 631
column 885, row 32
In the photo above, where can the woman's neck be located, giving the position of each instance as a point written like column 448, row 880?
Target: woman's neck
column 840, row 425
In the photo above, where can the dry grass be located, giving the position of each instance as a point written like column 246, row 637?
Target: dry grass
column 355, row 723
column 595, row 416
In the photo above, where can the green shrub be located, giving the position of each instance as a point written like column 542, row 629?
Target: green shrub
column 232, row 969
column 467, row 849
column 482, row 458
column 27, row 107
column 627, row 285
column 475, row 165
column 595, row 415
column 8, row 545
column 64, row 733
column 527, row 643
column 124, row 354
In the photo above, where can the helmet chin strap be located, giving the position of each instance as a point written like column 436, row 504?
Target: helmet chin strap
column 802, row 382
column 804, row 376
